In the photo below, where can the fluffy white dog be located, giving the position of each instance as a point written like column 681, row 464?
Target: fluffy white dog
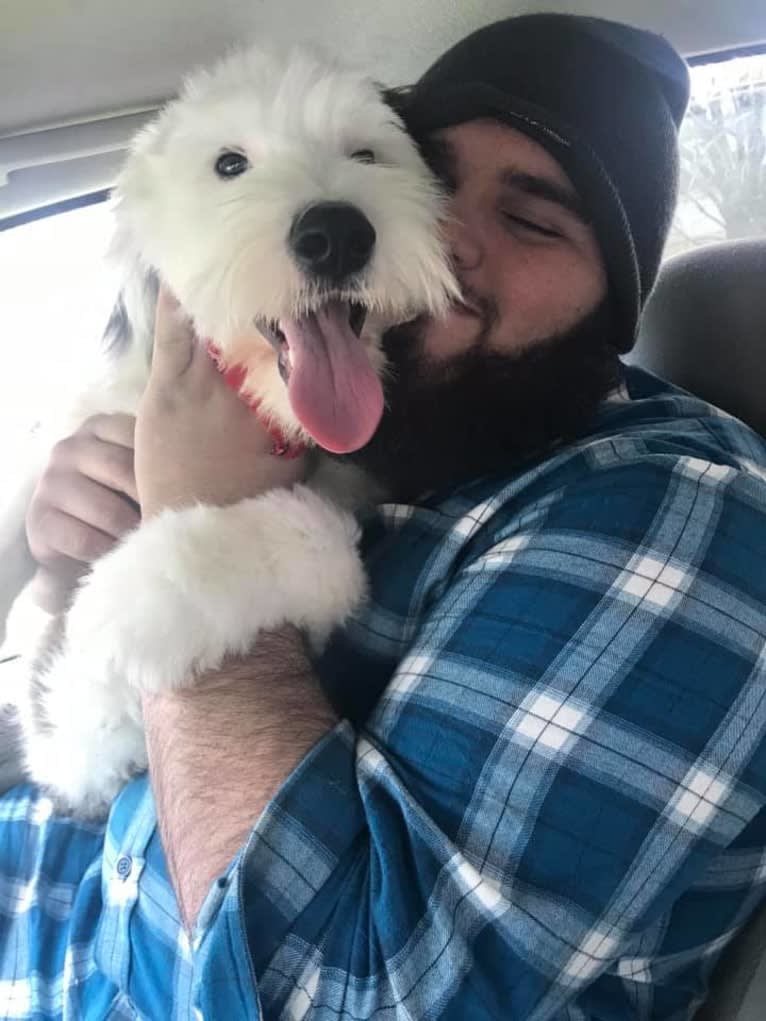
column 284, row 203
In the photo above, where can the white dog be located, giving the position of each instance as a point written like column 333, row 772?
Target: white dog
column 287, row 208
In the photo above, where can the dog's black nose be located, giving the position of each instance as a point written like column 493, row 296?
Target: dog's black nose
column 332, row 240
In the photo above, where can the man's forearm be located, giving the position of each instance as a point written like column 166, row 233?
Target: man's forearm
column 220, row 750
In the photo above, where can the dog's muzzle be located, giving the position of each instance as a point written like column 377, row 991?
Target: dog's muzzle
column 332, row 241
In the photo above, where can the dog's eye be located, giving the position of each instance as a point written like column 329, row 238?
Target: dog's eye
column 363, row 156
column 231, row 164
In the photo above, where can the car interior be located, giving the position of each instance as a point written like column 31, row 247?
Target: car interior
column 704, row 330
column 77, row 79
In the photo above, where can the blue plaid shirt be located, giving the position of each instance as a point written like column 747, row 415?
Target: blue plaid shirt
column 546, row 797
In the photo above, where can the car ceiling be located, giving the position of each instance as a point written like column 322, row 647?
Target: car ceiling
column 94, row 68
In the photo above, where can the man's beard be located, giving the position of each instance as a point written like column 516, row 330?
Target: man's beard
column 481, row 412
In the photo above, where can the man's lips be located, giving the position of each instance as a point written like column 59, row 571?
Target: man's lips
column 466, row 308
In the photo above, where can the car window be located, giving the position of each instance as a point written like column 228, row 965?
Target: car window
column 56, row 290
column 723, row 154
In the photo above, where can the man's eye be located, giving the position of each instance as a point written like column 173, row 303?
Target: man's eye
column 363, row 156
column 530, row 225
column 231, row 164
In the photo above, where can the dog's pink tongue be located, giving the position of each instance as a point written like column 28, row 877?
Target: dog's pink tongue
column 333, row 389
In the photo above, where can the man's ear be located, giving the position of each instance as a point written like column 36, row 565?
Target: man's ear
column 397, row 98
column 400, row 100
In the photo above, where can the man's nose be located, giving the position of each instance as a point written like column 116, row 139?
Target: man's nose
column 463, row 240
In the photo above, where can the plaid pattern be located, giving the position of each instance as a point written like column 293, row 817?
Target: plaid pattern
column 545, row 801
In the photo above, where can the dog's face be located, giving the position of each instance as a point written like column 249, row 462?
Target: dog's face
column 289, row 211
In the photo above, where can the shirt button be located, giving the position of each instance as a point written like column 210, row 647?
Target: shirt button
column 124, row 866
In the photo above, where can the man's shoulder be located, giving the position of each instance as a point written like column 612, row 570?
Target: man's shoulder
column 654, row 489
column 664, row 419
column 654, row 457
column 649, row 451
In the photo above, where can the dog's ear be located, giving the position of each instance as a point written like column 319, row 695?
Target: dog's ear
column 138, row 173
column 142, row 184
column 118, row 332
column 132, row 316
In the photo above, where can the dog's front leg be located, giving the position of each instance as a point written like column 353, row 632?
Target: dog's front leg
column 83, row 737
column 184, row 591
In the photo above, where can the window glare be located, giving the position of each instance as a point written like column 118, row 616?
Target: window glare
column 56, row 292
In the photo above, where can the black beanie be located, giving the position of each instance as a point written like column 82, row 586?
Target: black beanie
column 606, row 100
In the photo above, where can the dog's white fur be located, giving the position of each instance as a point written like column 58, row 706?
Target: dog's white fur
column 191, row 586
column 222, row 244
column 187, row 589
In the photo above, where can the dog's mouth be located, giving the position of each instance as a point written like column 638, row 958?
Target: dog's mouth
column 273, row 332
column 333, row 388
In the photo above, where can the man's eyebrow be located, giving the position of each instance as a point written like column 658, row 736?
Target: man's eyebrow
column 442, row 157
column 544, row 188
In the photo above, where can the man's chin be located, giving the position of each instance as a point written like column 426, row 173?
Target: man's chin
column 477, row 412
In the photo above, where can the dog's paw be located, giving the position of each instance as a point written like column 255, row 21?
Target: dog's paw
column 88, row 741
column 193, row 586
column 145, row 631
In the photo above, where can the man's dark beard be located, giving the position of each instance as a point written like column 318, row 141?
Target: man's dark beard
column 482, row 412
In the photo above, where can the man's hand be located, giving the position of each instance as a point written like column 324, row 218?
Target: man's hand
column 84, row 503
column 196, row 441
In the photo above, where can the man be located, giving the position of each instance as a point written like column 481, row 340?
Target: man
column 528, row 780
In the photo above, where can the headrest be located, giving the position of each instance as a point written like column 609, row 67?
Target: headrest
column 704, row 327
